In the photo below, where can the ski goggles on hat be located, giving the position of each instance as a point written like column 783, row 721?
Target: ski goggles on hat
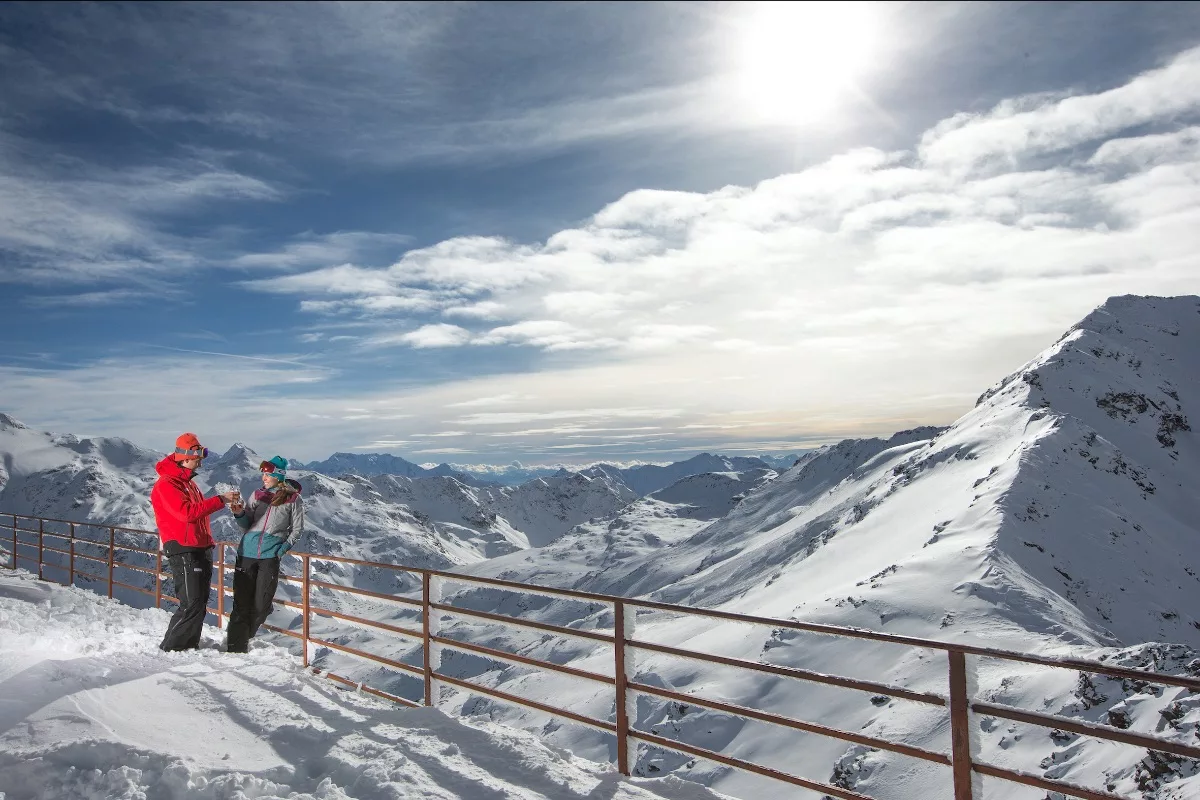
column 195, row 452
column 267, row 466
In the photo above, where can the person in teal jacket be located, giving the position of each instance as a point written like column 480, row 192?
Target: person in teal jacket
column 272, row 521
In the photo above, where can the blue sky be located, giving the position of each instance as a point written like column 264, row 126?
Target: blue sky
column 569, row 232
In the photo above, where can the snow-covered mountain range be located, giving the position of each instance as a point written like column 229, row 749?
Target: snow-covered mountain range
column 370, row 464
column 1061, row 515
column 642, row 479
column 414, row 516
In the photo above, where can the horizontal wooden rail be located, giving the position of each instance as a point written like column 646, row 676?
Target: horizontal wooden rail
column 363, row 592
column 607, row 727
column 807, row 727
column 134, row 588
column 1044, row 783
column 369, row 656
column 128, row 549
column 794, row 672
column 324, row 612
column 700, row 752
column 1098, row 731
column 523, row 623
column 525, row 588
column 333, row 676
column 284, row 631
column 513, row 658
column 147, row 570
column 359, row 562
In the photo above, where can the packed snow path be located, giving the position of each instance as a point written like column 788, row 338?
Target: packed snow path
column 90, row 708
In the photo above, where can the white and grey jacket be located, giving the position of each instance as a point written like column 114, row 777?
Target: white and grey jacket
column 271, row 531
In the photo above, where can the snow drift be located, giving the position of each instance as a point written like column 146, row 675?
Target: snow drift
column 89, row 708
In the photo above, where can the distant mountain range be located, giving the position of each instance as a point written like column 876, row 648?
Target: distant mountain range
column 643, row 478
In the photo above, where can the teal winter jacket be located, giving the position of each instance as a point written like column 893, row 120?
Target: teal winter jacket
column 270, row 531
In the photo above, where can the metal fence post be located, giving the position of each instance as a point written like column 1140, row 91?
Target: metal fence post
column 426, row 578
column 112, row 549
column 304, row 611
column 14, row 550
column 220, row 585
column 71, row 565
column 960, row 725
column 41, row 529
column 158, row 581
column 621, row 687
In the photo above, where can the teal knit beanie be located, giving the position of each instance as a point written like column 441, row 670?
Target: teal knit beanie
column 276, row 467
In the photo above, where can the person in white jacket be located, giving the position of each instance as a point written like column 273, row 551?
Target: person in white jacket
column 272, row 521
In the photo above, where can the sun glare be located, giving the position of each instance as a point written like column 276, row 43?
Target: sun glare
column 796, row 60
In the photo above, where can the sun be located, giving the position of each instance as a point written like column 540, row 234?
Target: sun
column 795, row 60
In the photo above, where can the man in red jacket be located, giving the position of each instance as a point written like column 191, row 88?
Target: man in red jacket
column 181, row 512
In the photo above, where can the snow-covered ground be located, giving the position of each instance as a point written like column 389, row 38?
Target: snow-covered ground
column 89, row 708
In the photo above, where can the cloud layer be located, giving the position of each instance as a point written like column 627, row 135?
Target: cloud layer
column 871, row 291
column 955, row 235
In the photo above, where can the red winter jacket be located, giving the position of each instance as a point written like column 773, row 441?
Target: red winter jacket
column 180, row 509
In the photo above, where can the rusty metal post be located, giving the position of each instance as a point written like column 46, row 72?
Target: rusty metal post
column 41, row 530
column 158, row 581
column 71, row 564
column 304, row 610
column 426, row 611
column 622, row 687
column 112, row 550
column 220, row 585
column 960, row 725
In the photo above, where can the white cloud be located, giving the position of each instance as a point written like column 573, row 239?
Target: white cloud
column 546, row 333
column 500, row 399
column 441, row 335
column 344, row 279
column 313, row 250
column 106, row 297
column 867, row 236
column 1018, row 129
column 484, row 310
column 84, row 223
column 511, row 417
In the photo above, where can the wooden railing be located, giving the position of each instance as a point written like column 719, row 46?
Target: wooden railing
column 960, row 705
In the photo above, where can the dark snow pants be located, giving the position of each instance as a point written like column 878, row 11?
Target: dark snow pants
column 191, row 572
column 254, row 585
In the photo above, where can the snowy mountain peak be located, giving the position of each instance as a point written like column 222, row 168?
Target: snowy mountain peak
column 7, row 422
column 238, row 451
column 1061, row 509
column 1131, row 361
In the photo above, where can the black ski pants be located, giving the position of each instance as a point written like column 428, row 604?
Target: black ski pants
column 191, row 572
column 254, row 583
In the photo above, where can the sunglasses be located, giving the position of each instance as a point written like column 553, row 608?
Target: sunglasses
column 195, row 452
column 267, row 466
